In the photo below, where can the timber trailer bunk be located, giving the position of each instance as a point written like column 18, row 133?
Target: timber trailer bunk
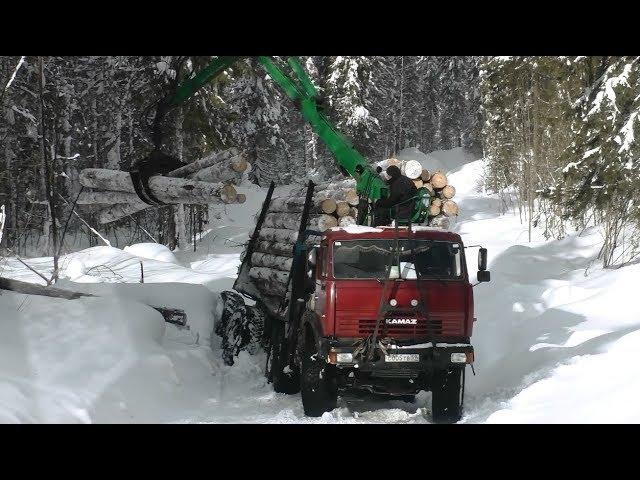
column 385, row 311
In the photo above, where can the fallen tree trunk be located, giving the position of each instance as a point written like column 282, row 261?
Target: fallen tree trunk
column 166, row 189
column 170, row 314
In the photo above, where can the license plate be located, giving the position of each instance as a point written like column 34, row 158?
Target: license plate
column 402, row 357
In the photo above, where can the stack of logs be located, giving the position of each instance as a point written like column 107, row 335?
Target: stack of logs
column 112, row 196
column 441, row 207
column 334, row 204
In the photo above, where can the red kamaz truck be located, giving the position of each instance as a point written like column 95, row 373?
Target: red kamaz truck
column 385, row 310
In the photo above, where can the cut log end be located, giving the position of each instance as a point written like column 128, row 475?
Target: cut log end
column 413, row 169
column 450, row 208
column 439, row 180
column 328, row 205
column 228, row 194
column 343, row 209
column 449, row 191
column 239, row 164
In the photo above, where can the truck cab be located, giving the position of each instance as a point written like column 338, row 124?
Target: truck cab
column 390, row 312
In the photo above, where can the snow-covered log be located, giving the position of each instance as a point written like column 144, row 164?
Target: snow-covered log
column 269, row 274
column 268, row 260
column 292, row 221
column 120, row 210
column 92, row 197
column 287, row 204
column 224, row 171
column 170, row 314
column 274, row 248
column 280, row 235
column 441, row 221
column 205, row 162
column 346, row 221
column 166, row 189
column 412, row 169
column 270, row 288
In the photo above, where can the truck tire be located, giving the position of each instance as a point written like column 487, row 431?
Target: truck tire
column 283, row 381
column 447, row 395
column 317, row 382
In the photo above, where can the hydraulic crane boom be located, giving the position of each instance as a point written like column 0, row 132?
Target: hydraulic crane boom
column 298, row 87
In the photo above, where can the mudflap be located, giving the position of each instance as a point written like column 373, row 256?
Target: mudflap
column 284, row 377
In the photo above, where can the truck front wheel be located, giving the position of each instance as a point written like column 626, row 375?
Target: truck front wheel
column 447, row 395
column 317, row 382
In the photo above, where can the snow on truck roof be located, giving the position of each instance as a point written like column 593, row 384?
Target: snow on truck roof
column 360, row 231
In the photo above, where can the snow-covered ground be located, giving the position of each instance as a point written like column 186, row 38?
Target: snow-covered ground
column 552, row 344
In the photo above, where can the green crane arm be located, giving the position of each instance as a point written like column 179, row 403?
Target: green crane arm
column 298, row 87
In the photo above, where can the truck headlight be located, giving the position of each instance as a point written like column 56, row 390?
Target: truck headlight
column 458, row 357
column 345, row 358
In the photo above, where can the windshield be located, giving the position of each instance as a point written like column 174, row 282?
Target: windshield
column 371, row 259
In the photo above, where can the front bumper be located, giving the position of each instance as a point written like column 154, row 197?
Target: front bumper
column 430, row 356
column 390, row 377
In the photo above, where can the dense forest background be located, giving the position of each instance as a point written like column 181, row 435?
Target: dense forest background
column 559, row 133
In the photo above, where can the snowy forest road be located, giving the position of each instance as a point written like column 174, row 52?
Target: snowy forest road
column 544, row 331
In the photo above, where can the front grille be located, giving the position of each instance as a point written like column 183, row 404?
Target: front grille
column 422, row 328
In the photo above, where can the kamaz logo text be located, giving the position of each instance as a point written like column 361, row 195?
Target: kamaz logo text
column 402, row 321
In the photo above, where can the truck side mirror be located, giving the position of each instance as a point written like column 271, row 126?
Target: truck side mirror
column 484, row 276
column 482, row 259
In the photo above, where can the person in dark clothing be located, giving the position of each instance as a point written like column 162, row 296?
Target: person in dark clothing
column 401, row 188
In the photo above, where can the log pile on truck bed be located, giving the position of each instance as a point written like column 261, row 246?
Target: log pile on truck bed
column 332, row 204
column 441, row 207
column 111, row 193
